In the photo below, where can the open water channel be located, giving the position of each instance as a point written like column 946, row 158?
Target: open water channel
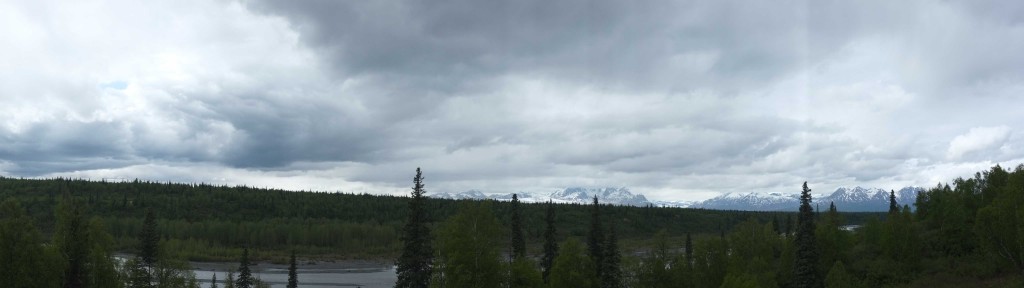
column 319, row 275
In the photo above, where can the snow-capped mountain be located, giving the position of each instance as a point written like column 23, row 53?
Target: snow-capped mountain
column 674, row 204
column 581, row 195
column 856, row 199
column 754, row 201
column 617, row 196
column 859, row 199
column 471, row 194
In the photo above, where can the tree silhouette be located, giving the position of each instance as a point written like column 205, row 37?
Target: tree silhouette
column 414, row 265
column 293, row 275
column 518, row 244
column 806, row 249
column 611, row 276
column 550, row 241
column 149, row 241
column 894, row 208
column 244, row 279
column 595, row 239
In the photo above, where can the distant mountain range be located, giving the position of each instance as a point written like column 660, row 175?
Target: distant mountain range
column 580, row 195
column 856, row 199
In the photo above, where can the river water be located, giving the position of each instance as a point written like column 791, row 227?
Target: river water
column 366, row 275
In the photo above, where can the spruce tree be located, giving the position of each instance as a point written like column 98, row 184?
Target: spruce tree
column 833, row 216
column 245, row 279
column 213, row 282
column 775, row 224
column 789, row 225
column 414, row 265
column 689, row 249
column 149, row 241
column 611, row 276
column 594, row 240
column 894, row 208
column 806, row 274
column 550, row 242
column 293, row 275
column 230, row 283
column 518, row 244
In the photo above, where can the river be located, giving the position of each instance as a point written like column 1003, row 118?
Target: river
column 363, row 274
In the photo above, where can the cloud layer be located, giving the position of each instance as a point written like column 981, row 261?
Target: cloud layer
column 675, row 99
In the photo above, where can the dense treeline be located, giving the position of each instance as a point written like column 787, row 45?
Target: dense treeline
column 970, row 234
column 207, row 222
column 80, row 253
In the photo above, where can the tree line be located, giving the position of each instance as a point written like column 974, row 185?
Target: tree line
column 970, row 233
column 80, row 254
column 202, row 222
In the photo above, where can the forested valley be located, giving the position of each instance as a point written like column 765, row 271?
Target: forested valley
column 212, row 223
column 64, row 233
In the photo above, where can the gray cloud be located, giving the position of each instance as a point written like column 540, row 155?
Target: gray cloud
column 679, row 99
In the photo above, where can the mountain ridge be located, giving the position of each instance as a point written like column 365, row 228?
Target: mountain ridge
column 847, row 199
column 578, row 195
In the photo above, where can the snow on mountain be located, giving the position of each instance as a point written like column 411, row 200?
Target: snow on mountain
column 523, row 197
column 581, row 195
column 471, row 194
column 610, row 195
column 856, row 199
column 754, row 201
column 847, row 199
column 674, row 204
column 571, row 195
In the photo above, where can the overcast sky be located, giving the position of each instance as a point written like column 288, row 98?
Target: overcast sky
column 675, row 100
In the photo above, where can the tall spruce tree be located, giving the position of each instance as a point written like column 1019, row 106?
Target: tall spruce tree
column 414, row 265
column 149, row 241
column 550, row 241
column 518, row 244
column 611, row 276
column 894, row 208
column 688, row 249
column 244, row 279
column 293, row 275
column 595, row 239
column 805, row 268
column 789, row 225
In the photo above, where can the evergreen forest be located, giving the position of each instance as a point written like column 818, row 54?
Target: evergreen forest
column 65, row 233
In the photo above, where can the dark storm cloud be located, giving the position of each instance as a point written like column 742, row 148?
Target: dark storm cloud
column 662, row 46
column 47, row 147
